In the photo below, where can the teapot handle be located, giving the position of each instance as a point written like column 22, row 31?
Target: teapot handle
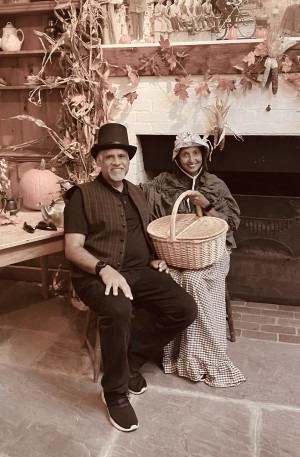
column 21, row 31
column 19, row 200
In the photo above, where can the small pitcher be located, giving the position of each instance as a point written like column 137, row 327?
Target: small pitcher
column 10, row 40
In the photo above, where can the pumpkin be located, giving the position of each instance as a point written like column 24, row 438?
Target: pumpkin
column 39, row 185
column 150, row 39
column 261, row 33
column 125, row 39
column 232, row 34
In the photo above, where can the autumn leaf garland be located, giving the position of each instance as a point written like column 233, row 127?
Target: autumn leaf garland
column 269, row 59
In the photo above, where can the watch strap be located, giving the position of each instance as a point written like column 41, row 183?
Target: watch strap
column 99, row 265
column 208, row 208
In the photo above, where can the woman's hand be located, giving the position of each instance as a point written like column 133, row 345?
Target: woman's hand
column 159, row 265
column 198, row 199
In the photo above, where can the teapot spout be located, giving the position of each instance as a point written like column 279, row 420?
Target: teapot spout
column 44, row 210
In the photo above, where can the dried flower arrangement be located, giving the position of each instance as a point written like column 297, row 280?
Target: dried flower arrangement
column 4, row 179
column 5, row 218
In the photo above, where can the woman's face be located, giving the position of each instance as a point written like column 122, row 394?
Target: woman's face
column 190, row 159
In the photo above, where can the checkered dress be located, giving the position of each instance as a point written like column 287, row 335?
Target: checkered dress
column 201, row 348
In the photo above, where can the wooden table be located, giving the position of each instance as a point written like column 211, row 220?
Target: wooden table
column 16, row 245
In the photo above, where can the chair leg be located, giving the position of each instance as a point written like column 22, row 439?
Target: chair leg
column 229, row 314
column 95, row 350
column 86, row 328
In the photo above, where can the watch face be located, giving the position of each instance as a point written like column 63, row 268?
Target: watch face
column 99, row 265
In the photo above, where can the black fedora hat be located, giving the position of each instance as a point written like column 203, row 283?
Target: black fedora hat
column 113, row 136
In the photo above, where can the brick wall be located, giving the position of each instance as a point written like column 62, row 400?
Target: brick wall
column 263, row 321
column 158, row 111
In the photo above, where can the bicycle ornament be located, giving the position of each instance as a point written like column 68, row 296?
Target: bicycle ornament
column 240, row 18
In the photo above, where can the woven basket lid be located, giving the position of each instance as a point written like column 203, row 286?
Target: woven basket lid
column 188, row 227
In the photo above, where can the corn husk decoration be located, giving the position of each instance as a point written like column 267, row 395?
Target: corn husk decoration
column 88, row 96
column 217, row 118
column 276, row 45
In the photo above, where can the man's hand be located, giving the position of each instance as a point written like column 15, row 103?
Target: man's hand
column 114, row 280
column 159, row 265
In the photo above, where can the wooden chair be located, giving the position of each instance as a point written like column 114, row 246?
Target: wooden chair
column 90, row 335
column 93, row 346
column 229, row 314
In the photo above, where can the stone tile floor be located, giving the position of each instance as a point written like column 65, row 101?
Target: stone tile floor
column 51, row 407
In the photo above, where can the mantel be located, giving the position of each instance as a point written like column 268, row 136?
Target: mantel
column 219, row 57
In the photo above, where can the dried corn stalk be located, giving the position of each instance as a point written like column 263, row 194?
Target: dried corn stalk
column 217, row 119
column 276, row 45
column 88, row 97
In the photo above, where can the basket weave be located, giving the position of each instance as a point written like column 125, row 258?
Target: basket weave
column 188, row 240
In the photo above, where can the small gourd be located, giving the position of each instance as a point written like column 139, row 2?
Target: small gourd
column 39, row 185
column 261, row 33
column 125, row 39
column 150, row 39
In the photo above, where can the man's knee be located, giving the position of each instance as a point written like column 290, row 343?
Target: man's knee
column 116, row 311
column 186, row 305
column 190, row 308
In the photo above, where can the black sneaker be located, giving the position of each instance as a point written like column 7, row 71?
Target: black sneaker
column 121, row 413
column 137, row 383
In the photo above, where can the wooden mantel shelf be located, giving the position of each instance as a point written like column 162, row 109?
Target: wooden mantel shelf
column 219, row 57
column 32, row 7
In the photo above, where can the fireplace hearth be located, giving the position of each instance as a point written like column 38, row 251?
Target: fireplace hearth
column 263, row 174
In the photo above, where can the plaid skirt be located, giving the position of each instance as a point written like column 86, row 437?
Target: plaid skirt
column 201, row 348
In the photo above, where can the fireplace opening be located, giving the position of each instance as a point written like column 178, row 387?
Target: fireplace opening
column 258, row 165
column 263, row 174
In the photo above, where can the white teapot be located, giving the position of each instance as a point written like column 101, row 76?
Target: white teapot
column 10, row 40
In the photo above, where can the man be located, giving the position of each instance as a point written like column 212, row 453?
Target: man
column 291, row 20
column 161, row 15
column 137, row 9
column 226, row 8
column 112, row 271
column 210, row 17
column 187, row 17
column 173, row 12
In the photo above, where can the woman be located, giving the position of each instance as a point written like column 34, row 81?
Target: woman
column 199, row 353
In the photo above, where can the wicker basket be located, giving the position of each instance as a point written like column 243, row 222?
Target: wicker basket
column 194, row 243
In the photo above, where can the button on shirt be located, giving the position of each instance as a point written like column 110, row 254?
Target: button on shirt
column 136, row 247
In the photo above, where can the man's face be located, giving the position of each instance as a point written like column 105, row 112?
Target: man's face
column 114, row 164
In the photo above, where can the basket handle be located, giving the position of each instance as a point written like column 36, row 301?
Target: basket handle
column 175, row 209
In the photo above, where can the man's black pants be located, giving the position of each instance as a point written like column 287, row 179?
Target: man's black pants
column 171, row 307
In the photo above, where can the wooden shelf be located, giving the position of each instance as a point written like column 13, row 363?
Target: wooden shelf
column 25, row 53
column 218, row 57
column 28, row 154
column 29, row 87
column 13, row 9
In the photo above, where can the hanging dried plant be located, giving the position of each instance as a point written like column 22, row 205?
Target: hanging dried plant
column 217, row 115
column 276, row 45
column 88, row 97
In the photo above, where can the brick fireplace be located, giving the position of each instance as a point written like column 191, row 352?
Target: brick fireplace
column 263, row 174
column 262, row 171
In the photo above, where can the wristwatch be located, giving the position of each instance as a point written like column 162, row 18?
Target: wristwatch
column 99, row 265
column 208, row 208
